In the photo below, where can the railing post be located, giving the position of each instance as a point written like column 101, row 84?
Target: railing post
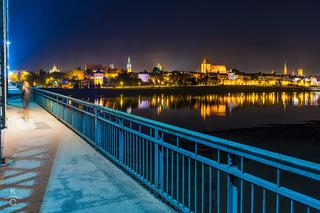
column 121, row 141
column 96, row 133
column 232, row 189
column 158, row 162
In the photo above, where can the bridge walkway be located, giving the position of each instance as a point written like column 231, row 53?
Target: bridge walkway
column 52, row 169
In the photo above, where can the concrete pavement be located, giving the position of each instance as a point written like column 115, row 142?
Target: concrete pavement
column 51, row 169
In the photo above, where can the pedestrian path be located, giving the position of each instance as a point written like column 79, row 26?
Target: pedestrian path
column 52, row 169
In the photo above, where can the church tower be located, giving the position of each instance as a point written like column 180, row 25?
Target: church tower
column 129, row 65
column 205, row 66
column 285, row 70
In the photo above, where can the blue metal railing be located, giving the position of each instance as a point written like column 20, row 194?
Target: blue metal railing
column 191, row 171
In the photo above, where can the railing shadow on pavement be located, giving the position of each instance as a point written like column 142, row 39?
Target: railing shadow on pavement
column 193, row 172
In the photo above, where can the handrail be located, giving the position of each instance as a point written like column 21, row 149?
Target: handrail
column 148, row 156
column 231, row 144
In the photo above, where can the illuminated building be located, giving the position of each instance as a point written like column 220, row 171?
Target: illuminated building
column 313, row 81
column 111, row 66
column 54, row 69
column 13, row 76
column 129, row 65
column 300, row 72
column 144, row 77
column 207, row 68
column 285, row 69
column 232, row 76
column 77, row 74
column 98, row 77
column 221, row 69
column 159, row 66
column 112, row 73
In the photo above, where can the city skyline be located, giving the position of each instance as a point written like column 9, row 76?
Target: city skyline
column 252, row 37
column 129, row 66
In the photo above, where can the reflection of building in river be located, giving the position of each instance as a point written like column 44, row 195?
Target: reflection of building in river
column 213, row 104
column 213, row 110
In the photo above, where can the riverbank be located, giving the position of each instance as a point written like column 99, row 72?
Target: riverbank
column 147, row 91
column 301, row 140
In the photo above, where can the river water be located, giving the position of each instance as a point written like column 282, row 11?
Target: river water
column 213, row 112
column 278, row 121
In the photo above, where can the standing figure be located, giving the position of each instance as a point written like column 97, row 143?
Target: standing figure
column 26, row 93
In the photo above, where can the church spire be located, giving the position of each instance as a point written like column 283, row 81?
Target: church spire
column 129, row 65
column 285, row 70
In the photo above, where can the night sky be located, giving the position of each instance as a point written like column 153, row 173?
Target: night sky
column 252, row 36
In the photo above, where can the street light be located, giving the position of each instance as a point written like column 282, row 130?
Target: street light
column 4, row 67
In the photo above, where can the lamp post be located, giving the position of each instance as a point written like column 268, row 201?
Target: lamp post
column 4, row 20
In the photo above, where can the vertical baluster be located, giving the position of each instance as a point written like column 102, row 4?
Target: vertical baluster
column 263, row 201
column 252, row 198
column 127, row 149
column 232, row 187
column 105, row 135
column 121, row 142
column 136, row 153
column 210, row 189
column 177, row 170
column 218, row 183
column 241, row 184
column 151, row 156
column 151, row 162
column 189, row 183
column 112, row 139
column 140, row 155
column 172, row 174
column 108, row 139
column 156, row 161
column 147, row 161
column 195, row 187
column 131, row 151
column 140, row 151
column 177, row 176
column 202, row 187
column 161, row 162
column 167, row 171
column 124, row 147
column 308, row 209
column 143, row 158
column 277, row 196
column 183, row 182
column 291, row 206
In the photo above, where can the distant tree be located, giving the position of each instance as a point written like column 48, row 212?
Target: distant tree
column 42, row 76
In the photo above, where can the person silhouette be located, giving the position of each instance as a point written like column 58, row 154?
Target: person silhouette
column 26, row 93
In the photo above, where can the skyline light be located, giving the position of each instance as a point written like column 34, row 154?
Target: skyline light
column 251, row 37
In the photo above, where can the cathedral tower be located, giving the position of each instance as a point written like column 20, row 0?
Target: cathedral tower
column 129, row 65
column 285, row 69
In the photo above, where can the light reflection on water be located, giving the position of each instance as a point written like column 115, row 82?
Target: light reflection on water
column 220, row 111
